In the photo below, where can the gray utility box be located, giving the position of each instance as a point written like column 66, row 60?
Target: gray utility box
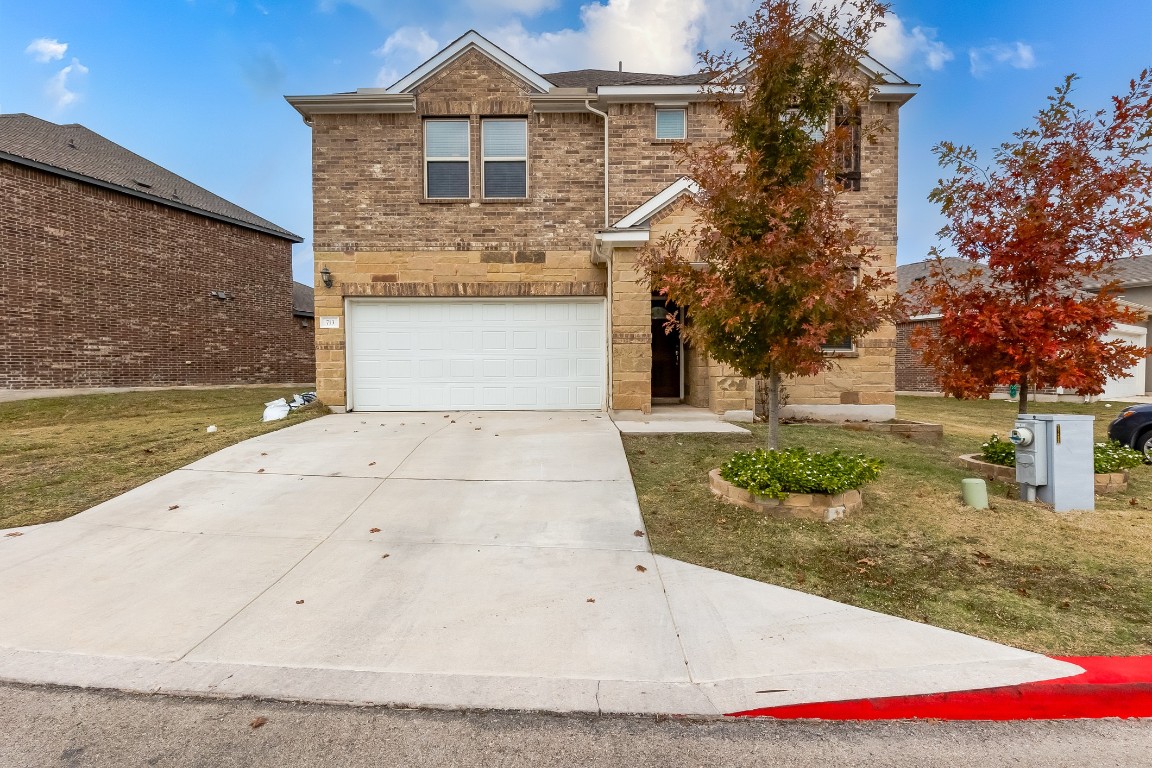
column 1054, row 460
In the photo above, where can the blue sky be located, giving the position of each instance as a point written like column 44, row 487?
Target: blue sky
column 197, row 85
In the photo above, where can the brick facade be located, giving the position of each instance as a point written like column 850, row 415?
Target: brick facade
column 378, row 236
column 105, row 289
column 912, row 375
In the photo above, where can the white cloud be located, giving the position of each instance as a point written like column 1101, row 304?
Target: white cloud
column 413, row 39
column 894, row 45
column 406, row 48
column 59, row 87
column 646, row 35
column 1017, row 55
column 46, row 49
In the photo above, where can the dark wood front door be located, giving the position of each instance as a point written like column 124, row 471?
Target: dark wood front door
column 665, row 352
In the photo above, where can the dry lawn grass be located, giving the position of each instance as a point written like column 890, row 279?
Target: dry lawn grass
column 1078, row 583
column 60, row 456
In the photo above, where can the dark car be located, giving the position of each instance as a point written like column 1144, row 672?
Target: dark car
column 1133, row 427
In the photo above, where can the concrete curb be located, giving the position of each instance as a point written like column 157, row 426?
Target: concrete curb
column 1110, row 686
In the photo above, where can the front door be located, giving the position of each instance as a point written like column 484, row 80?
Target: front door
column 665, row 352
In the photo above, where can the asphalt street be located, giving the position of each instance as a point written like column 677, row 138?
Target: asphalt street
column 48, row 726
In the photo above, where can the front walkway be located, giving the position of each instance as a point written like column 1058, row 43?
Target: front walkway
column 492, row 560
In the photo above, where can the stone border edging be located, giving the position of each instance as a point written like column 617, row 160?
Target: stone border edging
column 809, row 506
column 1110, row 482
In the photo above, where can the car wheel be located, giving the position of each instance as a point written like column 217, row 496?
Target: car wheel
column 1144, row 445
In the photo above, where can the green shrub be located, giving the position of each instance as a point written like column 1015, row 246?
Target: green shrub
column 1107, row 457
column 1114, row 456
column 997, row 451
column 796, row 470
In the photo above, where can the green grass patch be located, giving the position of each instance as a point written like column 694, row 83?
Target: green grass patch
column 62, row 455
column 1077, row 583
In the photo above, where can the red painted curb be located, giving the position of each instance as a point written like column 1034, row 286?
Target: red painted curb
column 1110, row 686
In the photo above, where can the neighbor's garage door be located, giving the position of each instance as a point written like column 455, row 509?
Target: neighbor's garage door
column 1131, row 384
column 475, row 354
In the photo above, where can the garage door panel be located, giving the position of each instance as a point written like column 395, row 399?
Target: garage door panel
column 511, row 354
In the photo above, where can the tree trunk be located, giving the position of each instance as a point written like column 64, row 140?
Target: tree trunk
column 773, row 409
column 760, row 414
column 1023, row 393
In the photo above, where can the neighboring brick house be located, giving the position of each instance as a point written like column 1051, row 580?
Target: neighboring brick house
column 472, row 253
column 913, row 376
column 120, row 273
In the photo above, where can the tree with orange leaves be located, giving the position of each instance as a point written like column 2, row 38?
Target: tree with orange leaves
column 773, row 268
column 1065, row 200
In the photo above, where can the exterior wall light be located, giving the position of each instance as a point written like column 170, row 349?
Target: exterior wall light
column 326, row 276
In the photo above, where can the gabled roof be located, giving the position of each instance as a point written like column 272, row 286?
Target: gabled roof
column 303, row 300
column 559, row 91
column 469, row 41
column 909, row 274
column 594, row 78
column 76, row 152
column 658, row 202
column 1133, row 272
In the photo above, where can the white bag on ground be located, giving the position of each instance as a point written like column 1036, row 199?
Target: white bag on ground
column 277, row 409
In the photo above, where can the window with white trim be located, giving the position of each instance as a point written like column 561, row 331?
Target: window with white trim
column 671, row 124
column 446, row 153
column 504, row 156
column 840, row 345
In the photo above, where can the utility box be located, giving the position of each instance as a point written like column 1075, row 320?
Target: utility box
column 1054, row 460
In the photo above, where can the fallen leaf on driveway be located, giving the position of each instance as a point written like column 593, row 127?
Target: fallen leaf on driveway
column 383, row 555
column 299, row 602
column 14, row 533
column 174, row 506
column 638, row 533
column 260, row 470
column 263, row 454
column 641, row 568
column 373, row 530
column 590, row 600
column 258, row 722
column 371, row 463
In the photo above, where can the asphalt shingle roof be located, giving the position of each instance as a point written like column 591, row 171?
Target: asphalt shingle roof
column 78, row 152
column 1133, row 271
column 594, row 78
column 303, row 299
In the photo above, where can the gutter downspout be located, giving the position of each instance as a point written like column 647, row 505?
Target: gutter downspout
column 607, row 259
column 604, row 117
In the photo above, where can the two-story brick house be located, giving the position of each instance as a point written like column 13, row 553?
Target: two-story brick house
column 477, row 226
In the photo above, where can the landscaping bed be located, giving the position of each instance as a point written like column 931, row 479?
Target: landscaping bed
column 1105, row 482
column 1076, row 583
column 62, row 455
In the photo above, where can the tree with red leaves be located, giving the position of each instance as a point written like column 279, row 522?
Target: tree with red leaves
column 773, row 269
column 1066, row 199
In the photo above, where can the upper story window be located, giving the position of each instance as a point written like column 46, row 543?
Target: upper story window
column 848, row 150
column 446, row 158
column 504, row 149
column 671, row 123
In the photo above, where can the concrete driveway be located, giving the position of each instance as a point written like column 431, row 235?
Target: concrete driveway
column 453, row 560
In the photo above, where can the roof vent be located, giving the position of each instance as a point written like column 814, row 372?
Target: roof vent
column 139, row 183
column 72, row 144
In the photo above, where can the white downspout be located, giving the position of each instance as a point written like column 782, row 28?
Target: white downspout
column 604, row 117
column 607, row 260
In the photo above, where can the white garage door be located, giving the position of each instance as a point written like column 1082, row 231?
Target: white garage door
column 475, row 354
column 1133, row 383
